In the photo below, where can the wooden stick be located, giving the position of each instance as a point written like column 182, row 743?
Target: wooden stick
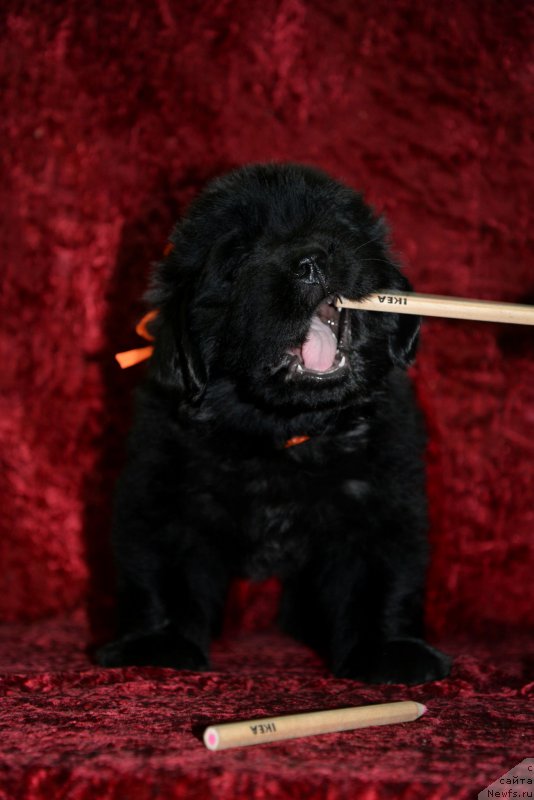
column 433, row 305
column 275, row 729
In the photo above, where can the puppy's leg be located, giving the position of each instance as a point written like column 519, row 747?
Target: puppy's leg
column 365, row 619
column 169, row 604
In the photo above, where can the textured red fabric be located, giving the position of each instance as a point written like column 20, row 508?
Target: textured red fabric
column 72, row 731
column 113, row 116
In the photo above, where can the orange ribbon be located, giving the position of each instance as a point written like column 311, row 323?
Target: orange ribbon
column 296, row 440
column 130, row 357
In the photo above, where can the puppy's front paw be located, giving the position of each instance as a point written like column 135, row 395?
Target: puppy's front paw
column 163, row 648
column 409, row 661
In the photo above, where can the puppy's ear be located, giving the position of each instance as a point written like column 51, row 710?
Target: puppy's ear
column 184, row 334
column 193, row 368
column 403, row 329
column 177, row 360
column 404, row 336
column 404, row 340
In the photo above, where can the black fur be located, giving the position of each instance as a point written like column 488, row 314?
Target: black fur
column 210, row 492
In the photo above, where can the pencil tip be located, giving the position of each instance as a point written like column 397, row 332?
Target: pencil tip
column 421, row 709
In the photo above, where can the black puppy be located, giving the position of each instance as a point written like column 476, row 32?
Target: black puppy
column 251, row 352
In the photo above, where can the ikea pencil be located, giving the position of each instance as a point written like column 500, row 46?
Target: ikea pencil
column 433, row 305
column 276, row 729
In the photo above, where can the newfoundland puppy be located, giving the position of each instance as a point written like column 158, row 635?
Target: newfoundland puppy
column 276, row 435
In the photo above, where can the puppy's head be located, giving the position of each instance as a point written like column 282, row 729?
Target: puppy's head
column 247, row 296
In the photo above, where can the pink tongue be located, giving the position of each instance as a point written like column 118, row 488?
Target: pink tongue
column 319, row 349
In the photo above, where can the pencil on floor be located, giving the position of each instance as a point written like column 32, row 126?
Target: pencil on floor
column 275, row 729
column 433, row 305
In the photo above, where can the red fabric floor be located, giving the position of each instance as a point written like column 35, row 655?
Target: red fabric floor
column 69, row 730
column 113, row 116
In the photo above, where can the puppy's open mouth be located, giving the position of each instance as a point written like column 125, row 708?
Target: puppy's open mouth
column 324, row 351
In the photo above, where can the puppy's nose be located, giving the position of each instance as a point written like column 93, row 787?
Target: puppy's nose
column 310, row 267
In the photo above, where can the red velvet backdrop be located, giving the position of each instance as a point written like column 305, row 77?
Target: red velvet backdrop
column 114, row 115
